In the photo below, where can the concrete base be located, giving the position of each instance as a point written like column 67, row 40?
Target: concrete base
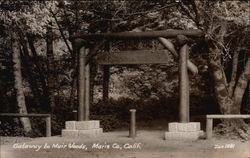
column 184, row 131
column 70, row 124
column 91, row 132
column 183, row 135
column 82, row 128
column 82, row 125
column 184, row 127
column 77, row 133
column 69, row 133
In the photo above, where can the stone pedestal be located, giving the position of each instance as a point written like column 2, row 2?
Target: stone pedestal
column 183, row 131
column 82, row 128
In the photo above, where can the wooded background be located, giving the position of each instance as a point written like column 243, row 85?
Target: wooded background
column 38, row 63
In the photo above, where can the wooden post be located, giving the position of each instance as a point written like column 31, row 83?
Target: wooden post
column 93, row 70
column 184, row 85
column 209, row 128
column 74, row 112
column 87, row 90
column 48, row 126
column 106, row 74
column 187, row 87
column 81, row 81
column 132, row 130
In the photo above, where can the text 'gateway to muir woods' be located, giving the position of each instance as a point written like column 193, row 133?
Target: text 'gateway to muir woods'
column 80, row 146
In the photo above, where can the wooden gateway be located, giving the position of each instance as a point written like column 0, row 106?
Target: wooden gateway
column 83, row 43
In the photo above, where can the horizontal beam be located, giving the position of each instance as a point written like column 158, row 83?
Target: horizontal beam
column 227, row 116
column 134, row 57
column 24, row 115
column 138, row 35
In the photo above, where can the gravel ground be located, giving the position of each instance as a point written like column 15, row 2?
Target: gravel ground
column 12, row 140
column 147, row 144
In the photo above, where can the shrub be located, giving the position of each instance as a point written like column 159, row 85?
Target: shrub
column 10, row 127
column 116, row 113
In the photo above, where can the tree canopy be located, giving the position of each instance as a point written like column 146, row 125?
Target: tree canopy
column 49, row 59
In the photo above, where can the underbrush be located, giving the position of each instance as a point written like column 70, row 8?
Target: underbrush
column 116, row 113
column 112, row 115
column 233, row 129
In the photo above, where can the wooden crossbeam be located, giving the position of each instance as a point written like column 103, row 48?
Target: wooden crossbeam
column 209, row 124
column 139, row 35
column 235, row 116
column 134, row 57
column 24, row 115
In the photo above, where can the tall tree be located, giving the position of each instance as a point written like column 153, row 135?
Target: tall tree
column 222, row 23
column 28, row 66
column 50, row 67
column 226, row 28
column 19, row 86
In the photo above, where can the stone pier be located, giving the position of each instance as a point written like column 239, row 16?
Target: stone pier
column 184, row 131
column 82, row 128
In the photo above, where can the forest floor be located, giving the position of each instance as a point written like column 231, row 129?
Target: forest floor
column 117, row 144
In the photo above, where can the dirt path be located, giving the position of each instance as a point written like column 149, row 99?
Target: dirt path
column 148, row 144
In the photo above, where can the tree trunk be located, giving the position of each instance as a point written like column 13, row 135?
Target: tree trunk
column 106, row 76
column 51, row 75
column 93, row 70
column 28, row 65
column 19, row 87
column 40, row 71
column 74, row 83
column 220, row 86
column 229, row 104
column 241, row 87
column 3, row 97
column 232, row 82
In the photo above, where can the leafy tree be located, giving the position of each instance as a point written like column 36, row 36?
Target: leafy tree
column 20, row 18
column 19, row 87
column 50, row 75
column 226, row 28
column 224, row 22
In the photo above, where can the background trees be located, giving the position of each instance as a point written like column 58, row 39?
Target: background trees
column 223, row 23
column 48, row 58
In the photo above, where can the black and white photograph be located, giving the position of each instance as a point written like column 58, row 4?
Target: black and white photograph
column 124, row 79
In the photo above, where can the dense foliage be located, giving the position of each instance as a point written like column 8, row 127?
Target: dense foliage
column 51, row 77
